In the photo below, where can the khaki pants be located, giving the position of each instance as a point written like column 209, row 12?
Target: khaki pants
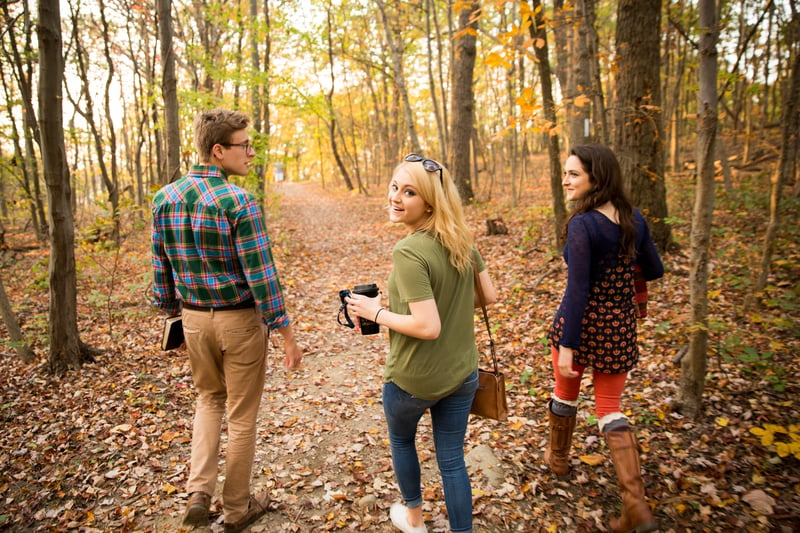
column 227, row 351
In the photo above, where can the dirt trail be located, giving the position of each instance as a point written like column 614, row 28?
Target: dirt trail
column 321, row 450
column 322, row 428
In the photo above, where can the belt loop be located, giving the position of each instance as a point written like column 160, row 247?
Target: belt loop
column 211, row 311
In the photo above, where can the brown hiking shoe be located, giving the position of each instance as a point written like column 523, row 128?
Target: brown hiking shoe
column 258, row 507
column 197, row 509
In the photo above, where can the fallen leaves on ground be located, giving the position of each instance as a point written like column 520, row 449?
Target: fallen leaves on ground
column 105, row 448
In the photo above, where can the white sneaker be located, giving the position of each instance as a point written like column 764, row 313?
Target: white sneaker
column 399, row 515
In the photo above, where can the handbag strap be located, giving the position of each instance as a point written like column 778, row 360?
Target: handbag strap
column 479, row 291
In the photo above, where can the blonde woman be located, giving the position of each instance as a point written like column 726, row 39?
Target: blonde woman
column 433, row 360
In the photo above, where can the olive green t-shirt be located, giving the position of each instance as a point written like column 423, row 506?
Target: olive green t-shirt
column 431, row 369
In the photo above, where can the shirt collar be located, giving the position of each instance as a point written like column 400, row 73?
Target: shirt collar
column 207, row 171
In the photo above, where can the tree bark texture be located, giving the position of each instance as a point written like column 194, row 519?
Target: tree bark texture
column 400, row 80
column 23, row 67
column 693, row 365
column 169, row 92
column 257, row 86
column 790, row 122
column 329, row 99
column 462, row 100
column 12, row 326
column 65, row 347
column 440, row 124
column 578, row 103
column 595, row 88
column 639, row 137
column 87, row 110
column 548, row 103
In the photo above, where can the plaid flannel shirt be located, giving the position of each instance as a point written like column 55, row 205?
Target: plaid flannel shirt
column 210, row 247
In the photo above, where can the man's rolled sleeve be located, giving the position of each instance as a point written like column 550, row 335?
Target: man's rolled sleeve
column 163, row 280
column 252, row 244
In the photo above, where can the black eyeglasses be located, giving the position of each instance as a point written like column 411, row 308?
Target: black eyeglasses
column 246, row 145
column 428, row 164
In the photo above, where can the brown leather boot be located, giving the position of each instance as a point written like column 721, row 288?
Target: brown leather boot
column 196, row 513
column 636, row 515
column 556, row 456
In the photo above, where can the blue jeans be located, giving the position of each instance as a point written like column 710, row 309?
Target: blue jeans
column 449, row 416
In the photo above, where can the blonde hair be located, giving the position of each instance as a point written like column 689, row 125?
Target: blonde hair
column 446, row 223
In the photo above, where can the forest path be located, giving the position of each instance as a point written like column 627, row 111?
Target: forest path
column 322, row 450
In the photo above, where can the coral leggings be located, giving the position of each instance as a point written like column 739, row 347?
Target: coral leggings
column 607, row 387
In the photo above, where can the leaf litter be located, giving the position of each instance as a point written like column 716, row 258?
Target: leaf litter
column 105, row 448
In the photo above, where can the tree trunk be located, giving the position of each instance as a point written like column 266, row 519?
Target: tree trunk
column 23, row 71
column 332, row 119
column 562, row 28
column 462, row 100
column 112, row 135
column 400, row 80
column 639, row 143
column 440, row 124
column 12, row 326
column 87, row 112
column 548, row 103
column 66, row 349
column 579, row 108
column 169, row 92
column 790, row 122
column 693, row 365
column 595, row 89
column 256, row 89
column 266, row 127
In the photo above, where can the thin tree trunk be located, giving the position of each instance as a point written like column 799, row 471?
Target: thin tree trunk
column 693, row 365
column 87, row 112
column 329, row 99
column 23, row 72
column 580, row 103
column 790, row 122
column 112, row 135
column 12, row 326
column 462, row 100
column 169, row 93
column 20, row 160
column 548, row 103
column 443, row 88
column 266, row 127
column 256, row 88
column 440, row 125
column 598, row 114
column 66, row 349
column 400, row 80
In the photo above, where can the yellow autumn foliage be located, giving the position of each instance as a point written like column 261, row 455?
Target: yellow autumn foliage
column 768, row 433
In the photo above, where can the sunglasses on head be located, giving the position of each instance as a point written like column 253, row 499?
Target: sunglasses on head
column 428, row 164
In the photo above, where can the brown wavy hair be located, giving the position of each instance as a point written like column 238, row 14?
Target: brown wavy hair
column 216, row 127
column 605, row 175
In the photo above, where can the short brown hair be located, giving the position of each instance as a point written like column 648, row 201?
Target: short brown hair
column 216, row 127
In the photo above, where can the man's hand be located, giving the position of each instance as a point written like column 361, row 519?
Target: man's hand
column 294, row 355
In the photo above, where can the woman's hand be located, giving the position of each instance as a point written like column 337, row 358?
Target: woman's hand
column 362, row 306
column 565, row 362
column 422, row 323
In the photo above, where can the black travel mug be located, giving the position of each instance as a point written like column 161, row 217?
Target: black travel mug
column 368, row 327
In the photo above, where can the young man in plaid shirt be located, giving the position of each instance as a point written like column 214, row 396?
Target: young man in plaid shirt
column 212, row 263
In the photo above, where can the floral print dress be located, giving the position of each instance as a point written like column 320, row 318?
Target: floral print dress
column 597, row 315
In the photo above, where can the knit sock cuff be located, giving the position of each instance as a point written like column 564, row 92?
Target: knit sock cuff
column 613, row 422
column 561, row 407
